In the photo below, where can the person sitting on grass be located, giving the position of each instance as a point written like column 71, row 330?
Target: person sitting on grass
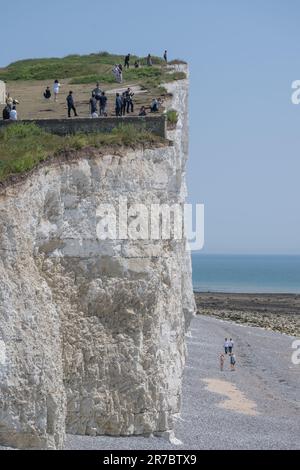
column 47, row 93
column 70, row 103
column 136, row 64
column 6, row 113
column 13, row 115
column 143, row 111
column 154, row 106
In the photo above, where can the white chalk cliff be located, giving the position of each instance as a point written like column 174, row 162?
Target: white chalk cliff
column 92, row 331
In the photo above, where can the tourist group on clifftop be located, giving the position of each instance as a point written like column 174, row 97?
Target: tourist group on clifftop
column 98, row 102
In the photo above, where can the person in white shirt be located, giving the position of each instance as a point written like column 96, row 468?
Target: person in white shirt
column 230, row 345
column 56, row 87
column 226, row 345
column 13, row 115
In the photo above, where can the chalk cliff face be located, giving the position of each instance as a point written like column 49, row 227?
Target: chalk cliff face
column 92, row 331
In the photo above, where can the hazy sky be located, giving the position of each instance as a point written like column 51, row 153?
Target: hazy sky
column 244, row 131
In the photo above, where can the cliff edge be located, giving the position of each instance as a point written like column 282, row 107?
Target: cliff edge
column 92, row 330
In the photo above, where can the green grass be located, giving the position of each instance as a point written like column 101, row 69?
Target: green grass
column 23, row 146
column 86, row 69
column 172, row 117
column 70, row 66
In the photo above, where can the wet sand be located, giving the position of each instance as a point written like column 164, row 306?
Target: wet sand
column 278, row 312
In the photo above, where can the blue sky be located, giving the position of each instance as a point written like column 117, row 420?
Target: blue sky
column 244, row 131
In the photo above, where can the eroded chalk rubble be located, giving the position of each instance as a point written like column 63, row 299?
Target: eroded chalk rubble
column 92, row 331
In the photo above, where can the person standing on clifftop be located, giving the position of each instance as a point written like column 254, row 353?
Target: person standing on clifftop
column 149, row 60
column 93, row 104
column 129, row 100
column 70, row 103
column 118, row 105
column 97, row 92
column 166, row 56
column 56, row 87
column 126, row 61
column 103, row 104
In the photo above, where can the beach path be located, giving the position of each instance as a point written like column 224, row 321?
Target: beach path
column 255, row 407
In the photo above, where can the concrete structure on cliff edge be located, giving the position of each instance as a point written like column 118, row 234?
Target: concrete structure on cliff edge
column 2, row 92
column 92, row 332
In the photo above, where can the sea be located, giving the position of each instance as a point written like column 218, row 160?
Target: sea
column 246, row 273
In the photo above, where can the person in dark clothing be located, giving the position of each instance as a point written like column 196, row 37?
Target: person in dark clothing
column 143, row 111
column 70, row 103
column 129, row 101
column 149, row 60
column 126, row 61
column 47, row 93
column 123, row 108
column 136, row 64
column 118, row 105
column 93, row 104
column 154, row 106
column 103, row 103
column 97, row 92
column 6, row 113
column 166, row 56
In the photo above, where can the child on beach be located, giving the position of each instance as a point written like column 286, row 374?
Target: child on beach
column 222, row 359
column 232, row 361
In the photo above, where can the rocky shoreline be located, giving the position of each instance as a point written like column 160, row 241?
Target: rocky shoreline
column 277, row 312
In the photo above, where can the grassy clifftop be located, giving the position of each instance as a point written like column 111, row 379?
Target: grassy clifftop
column 84, row 69
column 24, row 146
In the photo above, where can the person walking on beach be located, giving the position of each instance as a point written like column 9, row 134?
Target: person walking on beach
column 232, row 361
column 70, row 103
column 222, row 359
column 56, row 87
column 230, row 345
column 226, row 345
